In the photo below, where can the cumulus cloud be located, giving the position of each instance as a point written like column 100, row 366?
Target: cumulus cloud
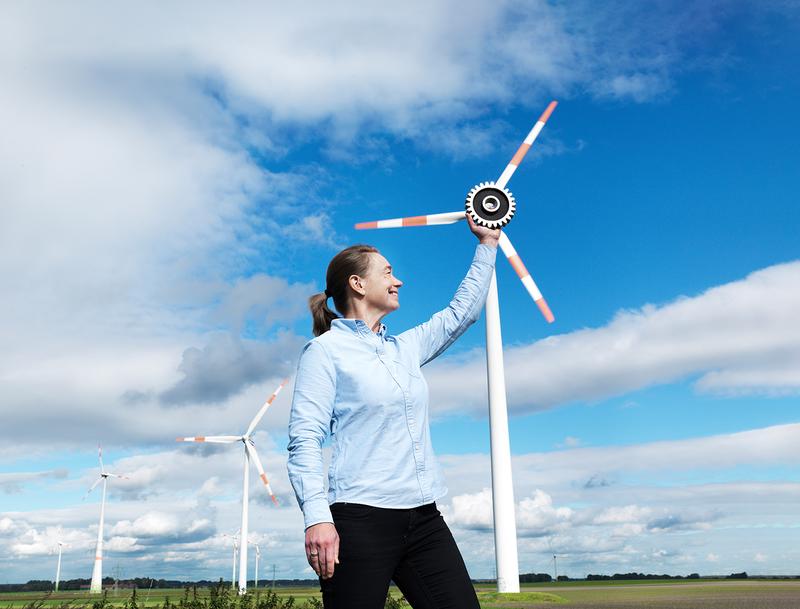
column 535, row 515
column 591, row 529
column 159, row 527
column 738, row 337
column 228, row 364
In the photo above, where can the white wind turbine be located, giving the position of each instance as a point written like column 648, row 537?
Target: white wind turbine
column 97, row 573
column 249, row 453
column 59, row 545
column 491, row 204
column 235, row 539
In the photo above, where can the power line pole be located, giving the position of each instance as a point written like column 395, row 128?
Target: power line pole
column 273, row 576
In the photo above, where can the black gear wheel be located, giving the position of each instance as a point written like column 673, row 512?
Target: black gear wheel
column 490, row 206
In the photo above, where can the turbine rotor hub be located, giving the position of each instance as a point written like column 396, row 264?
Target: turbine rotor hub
column 490, row 206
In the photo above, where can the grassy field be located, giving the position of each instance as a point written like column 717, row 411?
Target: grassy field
column 702, row 594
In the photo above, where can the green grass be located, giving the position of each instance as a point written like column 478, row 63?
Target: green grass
column 497, row 600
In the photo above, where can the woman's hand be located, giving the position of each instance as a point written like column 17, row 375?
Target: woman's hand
column 322, row 548
column 487, row 236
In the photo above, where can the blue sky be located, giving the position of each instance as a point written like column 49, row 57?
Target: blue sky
column 170, row 201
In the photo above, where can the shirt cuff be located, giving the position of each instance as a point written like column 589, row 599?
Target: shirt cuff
column 316, row 511
column 485, row 253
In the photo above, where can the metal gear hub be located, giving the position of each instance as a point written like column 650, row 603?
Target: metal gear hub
column 490, row 206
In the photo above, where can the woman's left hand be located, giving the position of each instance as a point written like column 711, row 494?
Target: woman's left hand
column 487, row 236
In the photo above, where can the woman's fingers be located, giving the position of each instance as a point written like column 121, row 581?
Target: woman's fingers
column 322, row 548
column 312, row 554
column 324, row 560
column 313, row 560
column 489, row 236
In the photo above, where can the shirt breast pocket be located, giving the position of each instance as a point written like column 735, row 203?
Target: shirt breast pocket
column 409, row 376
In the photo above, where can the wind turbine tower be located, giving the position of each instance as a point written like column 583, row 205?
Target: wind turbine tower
column 249, row 454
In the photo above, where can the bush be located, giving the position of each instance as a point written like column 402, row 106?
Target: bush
column 395, row 603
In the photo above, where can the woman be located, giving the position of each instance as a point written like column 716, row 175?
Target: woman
column 379, row 520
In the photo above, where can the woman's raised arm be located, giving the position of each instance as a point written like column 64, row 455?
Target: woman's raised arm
column 434, row 336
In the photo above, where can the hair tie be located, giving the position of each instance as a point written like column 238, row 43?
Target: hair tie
column 327, row 293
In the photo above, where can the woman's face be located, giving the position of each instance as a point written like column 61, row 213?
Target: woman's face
column 380, row 285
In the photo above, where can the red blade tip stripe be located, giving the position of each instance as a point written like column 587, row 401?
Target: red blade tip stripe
column 548, row 315
column 548, row 111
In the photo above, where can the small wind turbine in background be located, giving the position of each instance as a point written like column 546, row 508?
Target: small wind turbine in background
column 492, row 205
column 258, row 555
column 97, row 573
column 58, row 547
column 249, row 453
column 235, row 539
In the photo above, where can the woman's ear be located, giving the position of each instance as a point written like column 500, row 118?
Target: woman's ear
column 356, row 285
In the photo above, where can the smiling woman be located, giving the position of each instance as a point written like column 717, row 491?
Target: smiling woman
column 379, row 521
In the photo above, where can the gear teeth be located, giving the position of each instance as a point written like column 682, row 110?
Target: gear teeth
column 469, row 206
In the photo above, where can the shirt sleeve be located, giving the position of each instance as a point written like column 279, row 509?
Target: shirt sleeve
column 441, row 330
column 309, row 425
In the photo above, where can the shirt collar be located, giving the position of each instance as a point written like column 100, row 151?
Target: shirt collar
column 357, row 326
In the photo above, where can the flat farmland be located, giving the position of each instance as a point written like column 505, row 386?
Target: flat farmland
column 703, row 594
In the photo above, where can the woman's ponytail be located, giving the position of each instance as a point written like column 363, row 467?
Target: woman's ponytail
column 321, row 315
column 353, row 260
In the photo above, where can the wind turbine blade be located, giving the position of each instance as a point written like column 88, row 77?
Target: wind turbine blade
column 429, row 220
column 120, row 476
column 260, row 413
column 525, row 276
column 251, row 450
column 100, row 457
column 525, row 146
column 213, row 439
column 91, row 488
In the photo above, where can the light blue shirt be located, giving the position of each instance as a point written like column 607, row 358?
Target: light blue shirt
column 366, row 390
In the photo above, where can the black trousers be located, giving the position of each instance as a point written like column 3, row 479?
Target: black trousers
column 412, row 546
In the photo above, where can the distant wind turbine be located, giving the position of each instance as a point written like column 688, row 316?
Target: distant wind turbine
column 258, row 555
column 59, row 545
column 235, row 539
column 97, row 573
column 249, row 453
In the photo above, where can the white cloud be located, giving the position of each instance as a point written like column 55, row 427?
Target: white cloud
column 622, row 514
column 741, row 336
column 174, row 509
column 137, row 175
